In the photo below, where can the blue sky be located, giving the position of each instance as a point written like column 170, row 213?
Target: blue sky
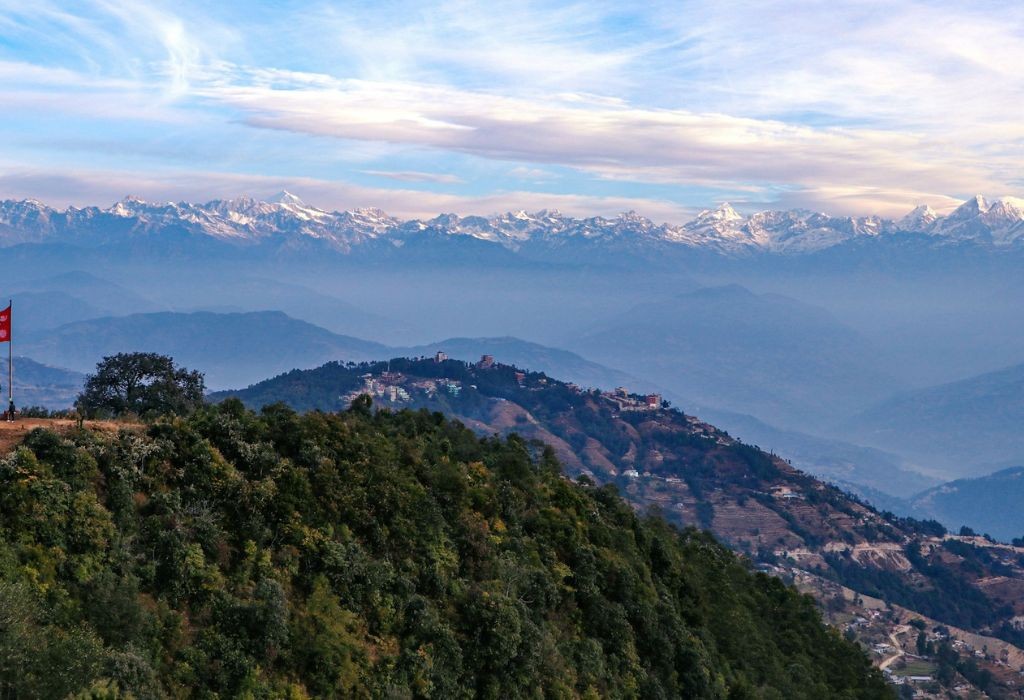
column 591, row 107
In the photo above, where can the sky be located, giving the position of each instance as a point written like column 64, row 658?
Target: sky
column 594, row 107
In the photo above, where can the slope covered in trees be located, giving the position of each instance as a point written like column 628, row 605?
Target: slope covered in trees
column 696, row 475
column 367, row 555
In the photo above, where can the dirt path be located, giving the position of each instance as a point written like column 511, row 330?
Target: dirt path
column 896, row 645
column 11, row 434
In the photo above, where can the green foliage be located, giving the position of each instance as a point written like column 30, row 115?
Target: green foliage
column 927, row 528
column 942, row 592
column 143, row 383
column 234, row 554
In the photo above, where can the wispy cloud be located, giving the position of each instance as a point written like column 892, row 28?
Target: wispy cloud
column 847, row 106
column 627, row 143
column 90, row 187
column 414, row 176
column 532, row 174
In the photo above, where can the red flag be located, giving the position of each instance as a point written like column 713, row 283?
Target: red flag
column 5, row 325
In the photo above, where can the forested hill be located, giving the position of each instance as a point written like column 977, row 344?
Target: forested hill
column 658, row 456
column 361, row 554
column 696, row 475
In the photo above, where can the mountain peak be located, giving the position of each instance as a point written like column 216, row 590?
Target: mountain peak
column 973, row 206
column 922, row 215
column 726, row 211
column 1007, row 207
column 723, row 213
column 632, row 215
column 286, row 197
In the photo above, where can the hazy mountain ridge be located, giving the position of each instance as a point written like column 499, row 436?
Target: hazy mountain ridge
column 238, row 348
column 988, row 504
column 879, row 477
column 731, row 349
column 37, row 384
column 287, row 221
column 232, row 348
column 974, row 421
column 235, row 349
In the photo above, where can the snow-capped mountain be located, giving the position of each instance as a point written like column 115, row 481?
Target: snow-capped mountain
column 919, row 219
column 286, row 221
column 999, row 223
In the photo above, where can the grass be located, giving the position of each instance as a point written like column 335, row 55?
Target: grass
column 916, row 667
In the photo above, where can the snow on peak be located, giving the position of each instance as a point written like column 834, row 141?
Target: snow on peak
column 286, row 197
column 724, row 213
column 632, row 216
column 922, row 216
column 1016, row 202
column 999, row 222
column 1011, row 208
column 129, row 206
column 972, row 207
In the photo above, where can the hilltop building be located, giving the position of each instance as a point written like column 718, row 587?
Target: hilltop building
column 624, row 401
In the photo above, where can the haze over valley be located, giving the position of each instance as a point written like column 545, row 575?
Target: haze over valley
column 810, row 331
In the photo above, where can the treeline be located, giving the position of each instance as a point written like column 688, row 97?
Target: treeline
column 949, row 595
column 363, row 554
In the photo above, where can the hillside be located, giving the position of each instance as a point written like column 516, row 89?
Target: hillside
column 967, row 427
column 36, row 384
column 696, row 475
column 864, row 470
column 232, row 348
column 556, row 362
column 989, row 504
column 360, row 555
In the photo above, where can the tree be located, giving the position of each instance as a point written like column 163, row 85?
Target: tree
column 144, row 383
column 922, row 644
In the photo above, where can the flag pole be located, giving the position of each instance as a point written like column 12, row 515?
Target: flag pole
column 10, row 364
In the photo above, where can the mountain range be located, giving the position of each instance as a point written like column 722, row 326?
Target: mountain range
column 286, row 222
